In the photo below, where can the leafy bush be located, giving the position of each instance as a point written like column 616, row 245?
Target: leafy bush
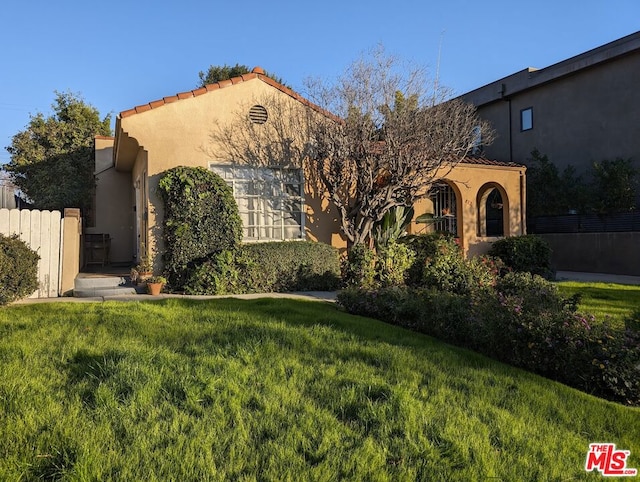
column 201, row 220
column 523, row 321
column 528, row 253
column 359, row 267
column 425, row 248
column 393, row 261
column 218, row 275
column 18, row 269
column 291, row 266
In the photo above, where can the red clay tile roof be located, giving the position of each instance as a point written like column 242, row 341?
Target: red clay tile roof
column 481, row 161
column 256, row 73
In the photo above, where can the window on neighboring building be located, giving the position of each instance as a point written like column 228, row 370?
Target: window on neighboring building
column 443, row 198
column 526, row 119
column 270, row 201
column 477, row 141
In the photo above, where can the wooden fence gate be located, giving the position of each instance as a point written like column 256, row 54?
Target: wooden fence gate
column 42, row 231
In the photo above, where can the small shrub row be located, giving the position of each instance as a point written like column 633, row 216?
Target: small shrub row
column 267, row 267
column 528, row 253
column 18, row 269
column 523, row 321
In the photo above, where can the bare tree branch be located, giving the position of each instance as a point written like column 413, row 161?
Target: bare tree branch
column 389, row 141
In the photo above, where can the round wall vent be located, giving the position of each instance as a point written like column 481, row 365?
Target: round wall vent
column 258, row 114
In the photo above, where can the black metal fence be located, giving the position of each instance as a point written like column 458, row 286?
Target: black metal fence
column 585, row 223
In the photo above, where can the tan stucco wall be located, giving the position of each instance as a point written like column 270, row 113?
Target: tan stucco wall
column 179, row 134
column 468, row 181
column 113, row 214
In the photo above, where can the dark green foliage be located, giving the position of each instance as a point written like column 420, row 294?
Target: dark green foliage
column 268, row 267
column 220, row 275
column 359, row 267
column 52, row 160
column 549, row 192
column 607, row 187
column 18, row 269
column 291, row 266
column 528, row 253
column 216, row 73
column 440, row 264
column 393, row 261
column 201, row 220
column 614, row 186
column 523, row 321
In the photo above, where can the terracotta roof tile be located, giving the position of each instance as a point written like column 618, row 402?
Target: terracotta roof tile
column 142, row 108
column 256, row 73
column 481, row 161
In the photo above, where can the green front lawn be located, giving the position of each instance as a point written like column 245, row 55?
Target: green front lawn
column 276, row 389
column 604, row 299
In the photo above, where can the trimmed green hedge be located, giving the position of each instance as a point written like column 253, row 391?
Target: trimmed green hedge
column 291, row 266
column 18, row 269
column 268, row 267
column 528, row 253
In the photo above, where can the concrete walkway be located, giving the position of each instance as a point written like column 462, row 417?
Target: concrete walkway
column 327, row 296
column 597, row 277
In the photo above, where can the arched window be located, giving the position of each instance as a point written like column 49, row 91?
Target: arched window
column 443, row 198
column 493, row 209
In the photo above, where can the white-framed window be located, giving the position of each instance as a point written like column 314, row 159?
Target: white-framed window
column 526, row 119
column 270, row 200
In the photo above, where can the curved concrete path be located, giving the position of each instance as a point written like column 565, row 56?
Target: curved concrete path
column 327, row 296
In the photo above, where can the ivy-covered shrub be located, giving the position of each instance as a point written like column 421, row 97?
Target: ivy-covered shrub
column 201, row 220
column 18, row 269
column 218, row 275
column 528, row 253
column 290, row 266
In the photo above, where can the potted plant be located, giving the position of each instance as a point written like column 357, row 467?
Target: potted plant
column 144, row 270
column 155, row 284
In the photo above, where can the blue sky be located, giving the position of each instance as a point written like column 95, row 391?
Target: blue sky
column 120, row 54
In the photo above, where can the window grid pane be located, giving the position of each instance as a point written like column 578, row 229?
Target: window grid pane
column 270, row 201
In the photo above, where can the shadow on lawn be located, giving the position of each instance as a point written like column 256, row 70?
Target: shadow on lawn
column 312, row 315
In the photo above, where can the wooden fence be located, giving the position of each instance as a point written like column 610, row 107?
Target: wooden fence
column 43, row 232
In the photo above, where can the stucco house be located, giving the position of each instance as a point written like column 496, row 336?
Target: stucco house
column 478, row 200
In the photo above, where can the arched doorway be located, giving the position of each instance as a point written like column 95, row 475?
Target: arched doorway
column 445, row 207
column 493, row 211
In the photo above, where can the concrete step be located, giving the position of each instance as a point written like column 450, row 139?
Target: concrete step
column 82, row 282
column 104, row 291
column 91, row 284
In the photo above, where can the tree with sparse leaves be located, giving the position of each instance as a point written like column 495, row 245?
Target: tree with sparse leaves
column 216, row 73
column 52, row 159
column 380, row 139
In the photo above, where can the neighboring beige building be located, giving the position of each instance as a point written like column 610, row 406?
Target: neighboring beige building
column 580, row 110
column 478, row 200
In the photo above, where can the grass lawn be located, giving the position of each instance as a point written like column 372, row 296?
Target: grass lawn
column 605, row 299
column 276, row 390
